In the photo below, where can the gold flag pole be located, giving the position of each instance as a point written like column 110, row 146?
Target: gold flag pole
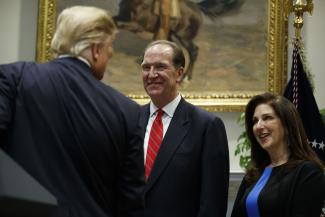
column 298, row 8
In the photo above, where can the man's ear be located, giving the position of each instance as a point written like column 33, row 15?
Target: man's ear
column 95, row 50
column 180, row 74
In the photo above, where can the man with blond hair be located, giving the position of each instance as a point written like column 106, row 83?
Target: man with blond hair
column 75, row 135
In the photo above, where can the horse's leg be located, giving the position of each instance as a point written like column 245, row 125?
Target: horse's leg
column 125, row 9
column 186, row 30
column 192, row 50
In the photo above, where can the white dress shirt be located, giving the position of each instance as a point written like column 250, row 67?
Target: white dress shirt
column 169, row 111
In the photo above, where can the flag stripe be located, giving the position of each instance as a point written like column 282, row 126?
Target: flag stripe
column 299, row 92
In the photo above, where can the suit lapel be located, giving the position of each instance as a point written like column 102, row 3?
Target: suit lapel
column 174, row 136
column 143, row 120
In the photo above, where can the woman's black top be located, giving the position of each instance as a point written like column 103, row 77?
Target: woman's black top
column 297, row 192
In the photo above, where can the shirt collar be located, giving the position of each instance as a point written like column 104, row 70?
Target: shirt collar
column 169, row 109
column 78, row 57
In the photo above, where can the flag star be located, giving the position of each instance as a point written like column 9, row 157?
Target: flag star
column 314, row 144
column 321, row 145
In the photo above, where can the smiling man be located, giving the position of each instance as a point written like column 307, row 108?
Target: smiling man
column 186, row 150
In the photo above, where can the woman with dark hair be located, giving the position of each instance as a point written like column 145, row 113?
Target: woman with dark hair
column 285, row 177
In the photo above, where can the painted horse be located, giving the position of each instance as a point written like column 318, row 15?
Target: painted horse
column 138, row 16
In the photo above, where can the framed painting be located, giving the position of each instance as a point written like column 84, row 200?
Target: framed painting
column 241, row 53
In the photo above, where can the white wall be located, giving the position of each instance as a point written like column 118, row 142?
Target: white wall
column 27, row 29
column 18, row 30
column 18, row 21
column 315, row 46
column 9, row 23
column 233, row 131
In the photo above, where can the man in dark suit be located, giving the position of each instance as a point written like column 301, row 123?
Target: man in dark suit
column 187, row 170
column 78, row 137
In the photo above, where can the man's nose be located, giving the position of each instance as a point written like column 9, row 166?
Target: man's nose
column 152, row 72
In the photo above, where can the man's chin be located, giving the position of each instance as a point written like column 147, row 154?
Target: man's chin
column 154, row 93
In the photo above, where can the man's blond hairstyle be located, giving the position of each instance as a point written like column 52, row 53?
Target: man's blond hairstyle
column 80, row 26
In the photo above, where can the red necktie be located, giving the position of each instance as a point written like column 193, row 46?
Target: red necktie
column 155, row 138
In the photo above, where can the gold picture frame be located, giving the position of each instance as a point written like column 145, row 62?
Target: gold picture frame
column 215, row 101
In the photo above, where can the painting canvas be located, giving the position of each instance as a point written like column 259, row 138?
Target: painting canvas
column 240, row 53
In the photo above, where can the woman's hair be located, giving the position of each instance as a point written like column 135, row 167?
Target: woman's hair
column 296, row 138
column 80, row 26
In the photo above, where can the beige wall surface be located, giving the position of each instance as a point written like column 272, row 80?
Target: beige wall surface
column 9, row 23
column 18, row 22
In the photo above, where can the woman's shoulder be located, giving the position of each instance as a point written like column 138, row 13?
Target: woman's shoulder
column 309, row 167
column 300, row 168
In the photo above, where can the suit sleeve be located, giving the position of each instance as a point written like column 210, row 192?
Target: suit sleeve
column 7, row 100
column 131, row 179
column 309, row 196
column 214, row 171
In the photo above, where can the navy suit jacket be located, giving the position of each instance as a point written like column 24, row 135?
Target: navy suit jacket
column 191, row 171
column 78, row 137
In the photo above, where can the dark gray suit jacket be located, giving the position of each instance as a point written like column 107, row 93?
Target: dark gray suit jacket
column 191, row 171
column 75, row 135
